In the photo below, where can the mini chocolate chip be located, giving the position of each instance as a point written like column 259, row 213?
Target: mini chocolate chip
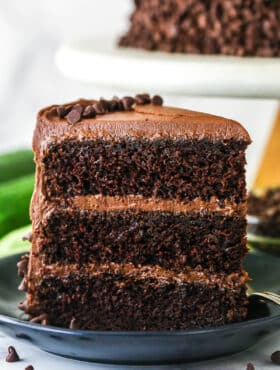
column 128, row 102
column 89, row 112
column 73, row 324
column 63, row 110
column 119, row 103
column 73, row 117
column 78, row 107
column 105, row 105
column 12, row 355
column 275, row 357
column 250, row 366
column 98, row 107
column 29, row 367
column 157, row 100
column 142, row 99
column 113, row 105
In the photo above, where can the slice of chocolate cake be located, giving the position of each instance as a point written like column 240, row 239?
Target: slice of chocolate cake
column 230, row 27
column 138, row 217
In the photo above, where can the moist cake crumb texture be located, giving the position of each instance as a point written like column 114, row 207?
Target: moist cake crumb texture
column 138, row 217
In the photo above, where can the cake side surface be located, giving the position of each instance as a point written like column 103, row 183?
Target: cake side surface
column 171, row 240
column 168, row 169
column 99, row 297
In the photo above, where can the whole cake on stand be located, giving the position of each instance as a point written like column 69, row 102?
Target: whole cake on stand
column 229, row 27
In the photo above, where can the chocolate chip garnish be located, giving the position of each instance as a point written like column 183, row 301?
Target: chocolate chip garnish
column 275, row 357
column 12, row 355
column 105, row 105
column 22, row 265
column 78, row 107
column 63, row 110
column 157, row 100
column 250, row 366
column 98, row 107
column 29, row 367
column 119, row 103
column 89, row 112
column 73, row 116
column 142, row 99
column 113, row 105
column 73, row 324
column 128, row 102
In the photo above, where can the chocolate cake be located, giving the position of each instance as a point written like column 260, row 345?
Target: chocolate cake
column 138, row 217
column 230, row 27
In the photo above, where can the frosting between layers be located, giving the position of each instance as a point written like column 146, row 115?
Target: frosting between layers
column 144, row 272
column 148, row 121
column 106, row 203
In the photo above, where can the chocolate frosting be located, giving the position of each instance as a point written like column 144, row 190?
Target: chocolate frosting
column 149, row 121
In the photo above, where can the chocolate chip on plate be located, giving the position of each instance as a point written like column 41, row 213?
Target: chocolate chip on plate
column 29, row 367
column 275, row 357
column 250, row 366
column 12, row 355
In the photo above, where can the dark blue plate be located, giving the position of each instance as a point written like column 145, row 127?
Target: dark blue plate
column 146, row 347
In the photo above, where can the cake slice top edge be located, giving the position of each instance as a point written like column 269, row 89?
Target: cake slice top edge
column 141, row 121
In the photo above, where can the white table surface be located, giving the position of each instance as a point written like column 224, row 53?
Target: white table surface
column 31, row 355
column 31, row 32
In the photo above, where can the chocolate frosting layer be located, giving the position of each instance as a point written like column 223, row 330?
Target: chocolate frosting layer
column 106, row 203
column 149, row 121
column 197, row 275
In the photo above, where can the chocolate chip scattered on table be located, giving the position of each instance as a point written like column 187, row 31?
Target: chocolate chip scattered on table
column 12, row 355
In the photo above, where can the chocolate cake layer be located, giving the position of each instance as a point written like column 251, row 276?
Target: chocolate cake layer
column 168, row 239
column 168, row 169
column 123, row 298
column 230, row 27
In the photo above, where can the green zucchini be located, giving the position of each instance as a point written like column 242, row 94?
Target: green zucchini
column 16, row 164
column 12, row 243
column 15, row 198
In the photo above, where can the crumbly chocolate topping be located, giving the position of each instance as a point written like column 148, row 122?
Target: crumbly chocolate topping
column 230, row 27
column 74, row 113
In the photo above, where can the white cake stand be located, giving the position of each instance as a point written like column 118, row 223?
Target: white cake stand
column 100, row 61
